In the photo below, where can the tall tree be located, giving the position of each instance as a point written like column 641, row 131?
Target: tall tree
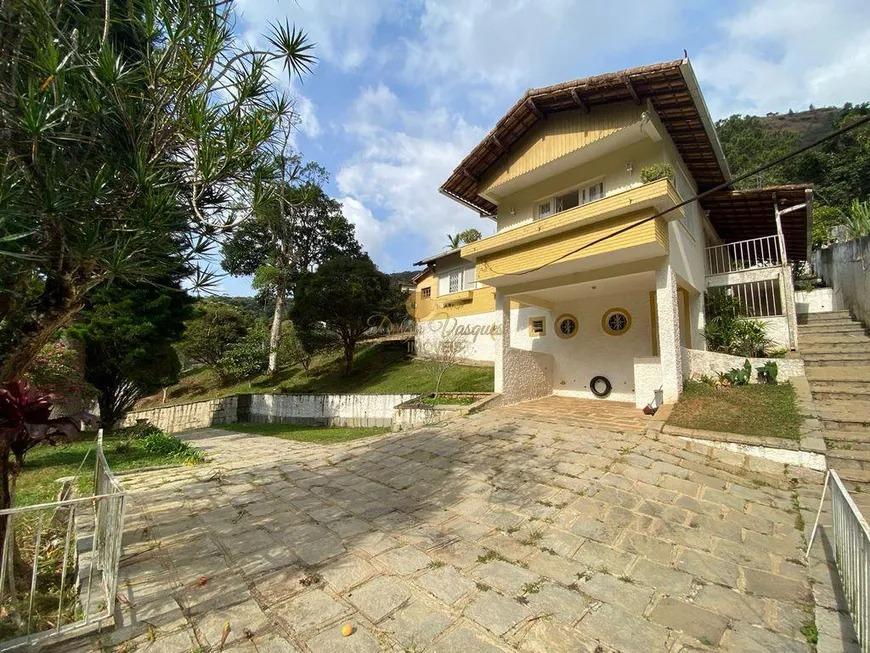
column 214, row 328
column 343, row 293
column 300, row 227
column 132, row 134
column 128, row 332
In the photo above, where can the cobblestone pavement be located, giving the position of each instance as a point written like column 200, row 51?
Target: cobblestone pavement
column 495, row 532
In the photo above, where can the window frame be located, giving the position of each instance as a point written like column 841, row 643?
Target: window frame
column 426, row 293
column 582, row 193
column 605, row 321
column 534, row 333
column 557, row 326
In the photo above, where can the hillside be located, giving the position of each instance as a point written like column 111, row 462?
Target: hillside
column 839, row 169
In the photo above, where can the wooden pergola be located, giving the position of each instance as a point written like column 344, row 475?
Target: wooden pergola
column 744, row 214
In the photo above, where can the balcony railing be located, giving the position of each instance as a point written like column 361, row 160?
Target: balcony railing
column 752, row 254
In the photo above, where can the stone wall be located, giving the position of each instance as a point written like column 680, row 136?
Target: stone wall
column 331, row 410
column 709, row 363
column 845, row 267
column 182, row 417
column 326, row 410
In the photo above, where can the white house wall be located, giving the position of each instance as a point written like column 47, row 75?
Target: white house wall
column 481, row 333
column 591, row 352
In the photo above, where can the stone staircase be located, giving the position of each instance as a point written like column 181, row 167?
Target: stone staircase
column 836, row 350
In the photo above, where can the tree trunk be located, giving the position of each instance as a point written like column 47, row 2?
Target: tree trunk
column 348, row 356
column 275, row 335
column 24, row 348
column 6, row 466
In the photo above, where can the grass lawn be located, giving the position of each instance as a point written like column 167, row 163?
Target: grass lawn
column 45, row 464
column 382, row 368
column 767, row 410
column 448, row 401
column 305, row 433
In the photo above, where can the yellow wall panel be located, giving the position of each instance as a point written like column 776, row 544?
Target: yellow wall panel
column 545, row 250
column 482, row 301
column 558, row 135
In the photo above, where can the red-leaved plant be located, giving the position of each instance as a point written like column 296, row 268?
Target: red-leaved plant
column 25, row 421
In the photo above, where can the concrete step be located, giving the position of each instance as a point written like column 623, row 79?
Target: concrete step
column 842, row 359
column 853, row 474
column 814, row 339
column 841, row 391
column 826, row 321
column 828, row 348
column 848, row 459
column 845, row 327
column 839, row 373
column 847, row 438
column 809, row 318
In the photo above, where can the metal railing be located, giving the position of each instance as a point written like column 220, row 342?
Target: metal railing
column 851, row 541
column 758, row 299
column 59, row 562
column 752, row 254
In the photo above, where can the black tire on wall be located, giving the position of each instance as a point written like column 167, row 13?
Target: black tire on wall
column 595, row 386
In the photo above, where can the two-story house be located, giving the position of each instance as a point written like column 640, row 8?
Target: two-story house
column 594, row 282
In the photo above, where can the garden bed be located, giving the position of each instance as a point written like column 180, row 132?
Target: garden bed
column 768, row 411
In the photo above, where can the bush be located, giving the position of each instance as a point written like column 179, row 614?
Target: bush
column 728, row 332
column 247, row 357
column 736, row 376
column 656, row 171
column 156, row 441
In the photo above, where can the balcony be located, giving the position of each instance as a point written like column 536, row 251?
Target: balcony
column 743, row 255
column 600, row 233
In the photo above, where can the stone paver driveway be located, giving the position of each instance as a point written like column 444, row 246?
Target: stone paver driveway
column 495, row 532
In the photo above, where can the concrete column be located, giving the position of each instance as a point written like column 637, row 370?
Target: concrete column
column 502, row 305
column 697, row 310
column 786, row 293
column 668, row 317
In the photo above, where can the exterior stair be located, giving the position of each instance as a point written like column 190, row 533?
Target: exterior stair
column 836, row 352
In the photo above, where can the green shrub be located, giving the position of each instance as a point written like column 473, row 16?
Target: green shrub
column 768, row 372
column 247, row 357
column 163, row 444
column 656, row 171
column 737, row 376
column 728, row 332
column 858, row 219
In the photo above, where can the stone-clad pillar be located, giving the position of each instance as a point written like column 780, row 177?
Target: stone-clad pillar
column 668, row 317
column 503, row 308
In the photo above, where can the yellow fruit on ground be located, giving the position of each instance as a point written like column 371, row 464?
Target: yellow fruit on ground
column 346, row 630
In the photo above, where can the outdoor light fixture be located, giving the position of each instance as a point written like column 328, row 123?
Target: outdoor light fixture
column 513, row 211
column 629, row 167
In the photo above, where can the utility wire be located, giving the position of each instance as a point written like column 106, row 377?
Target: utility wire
column 725, row 184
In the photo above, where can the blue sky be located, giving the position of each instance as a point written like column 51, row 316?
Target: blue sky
column 403, row 90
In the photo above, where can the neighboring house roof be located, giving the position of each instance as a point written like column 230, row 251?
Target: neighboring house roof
column 422, row 274
column 671, row 88
column 446, row 252
column 744, row 214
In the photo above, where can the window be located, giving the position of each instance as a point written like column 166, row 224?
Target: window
column 616, row 321
column 455, row 281
column 468, row 279
column 566, row 326
column 426, row 293
column 568, row 200
column 536, row 326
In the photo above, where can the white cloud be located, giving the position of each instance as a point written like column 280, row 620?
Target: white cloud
column 390, row 185
column 781, row 54
column 343, row 30
column 502, row 46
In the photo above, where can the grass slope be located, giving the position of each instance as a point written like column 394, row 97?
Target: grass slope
column 303, row 433
column 383, row 368
column 766, row 410
column 45, row 464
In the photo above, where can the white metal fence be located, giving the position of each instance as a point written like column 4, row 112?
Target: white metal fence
column 755, row 253
column 59, row 563
column 851, row 542
column 758, row 298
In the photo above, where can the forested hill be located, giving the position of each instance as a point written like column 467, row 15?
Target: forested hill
column 840, row 168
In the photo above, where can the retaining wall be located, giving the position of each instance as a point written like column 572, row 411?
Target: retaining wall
column 326, row 410
column 182, row 417
column 709, row 363
column 845, row 267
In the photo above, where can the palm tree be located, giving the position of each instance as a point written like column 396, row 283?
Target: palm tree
column 463, row 238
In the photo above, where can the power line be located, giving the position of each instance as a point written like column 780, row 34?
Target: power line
column 726, row 184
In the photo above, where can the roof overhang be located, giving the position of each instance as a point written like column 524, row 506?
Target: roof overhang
column 745, row 214
column 431, row 259
column 670, row 88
